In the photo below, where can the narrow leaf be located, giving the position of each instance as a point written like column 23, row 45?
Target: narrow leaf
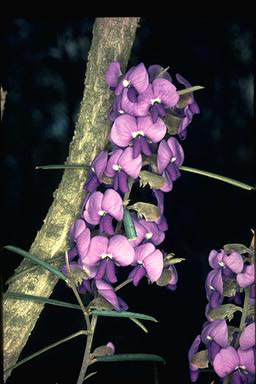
column 38, row 261
column 47, row 349
column 139, row 323
column 130, row 357
column 189, row 90
column 217, row 177
column 174, row 260
column 39, row 299
column 124, row 314
column 129, row 225
column 89, row 375
column 63, row 166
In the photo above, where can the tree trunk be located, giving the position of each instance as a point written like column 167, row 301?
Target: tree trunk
column 112, row 40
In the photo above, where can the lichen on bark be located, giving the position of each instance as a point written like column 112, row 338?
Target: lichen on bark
column 112, row 40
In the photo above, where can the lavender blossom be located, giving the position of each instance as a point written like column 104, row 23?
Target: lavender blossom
column 107, row 291
column 170, row 157
column 127, row 130
column 148, row 261
column 96, row 172
column 102, row 208
column 247, row 277
column 121, row 164
column 106, row 253
column 146, row 231
column 193, row 369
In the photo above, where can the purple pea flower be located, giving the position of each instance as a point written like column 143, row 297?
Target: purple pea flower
column 101, row 208
column 116, row 109
column 233, row 261
column 159, row 95
column 193, row 369
column 121, row 164
column 247, row 277
column 228, row 360
column 170, row 157
column 81, row 235
column 146, row 231
column 190, row 109
column 247, row 337
column 148, row 261
column 128, row 130
column 108, row 292
column 214, row 288
column 106, row 253
column 96, row 172
column 215, row 336
column 172, row 284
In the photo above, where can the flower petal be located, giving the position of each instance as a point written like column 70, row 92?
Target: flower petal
column 247, row 359
column 143, row 251
column 135, row 109
column 123, row 182
column 82, row 243
column 113, row 204
column 247, row 338
column 234, row 261
column 247, row 277
column 113, row 73
column 77, row 228
column 130, row 165
column 98, row 247
column 92, row 207
column 219, row 332
column 107, row 291
column 176, row 151
column 155, row 132
column 99, row 164
column 121, row 131
column 122, row 251
column 113, row 160
column 154, row 265
column 163, row 156
column 139, row 78
column 166, row 91
column 226, row 361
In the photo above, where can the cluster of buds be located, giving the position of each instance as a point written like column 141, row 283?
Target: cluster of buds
column 230, row 288
column 110, row 234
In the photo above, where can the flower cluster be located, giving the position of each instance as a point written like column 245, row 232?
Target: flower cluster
column 141, row 150
column 230, row 349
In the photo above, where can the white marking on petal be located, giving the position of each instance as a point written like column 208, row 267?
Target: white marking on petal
column 221, row 263
column 156, row 100
column 126, row 83
column 140, row 262
column 121, row 111
column 116, row 167
column 101, row 213
column 211, row 287
column 173, row 159
column 209, row 337
column 149, row 235
column 104, row 255
column 137, row 133
column 93, row 169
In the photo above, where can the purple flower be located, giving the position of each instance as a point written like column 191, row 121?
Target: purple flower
column 116, row 109
column 193, row 369
column 101, row 208
column 113, row 74
column 96, row 172
column 106, row 253
column 190, row 109
column 149, row 261
column 107, row 291
column 215, row 331
column 214, row 288
column 121, row 164
column 228, row 360
column 146, row 231
column 233, row 261
column 81, row 235
column 161, row 223
column 136, row 77
column 128, row 130
column 247, row 277
column 159, row 95
column 172, row 284
column 170, row 156
column 247, row 337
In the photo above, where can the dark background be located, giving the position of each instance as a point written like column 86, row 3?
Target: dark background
column 43, row 62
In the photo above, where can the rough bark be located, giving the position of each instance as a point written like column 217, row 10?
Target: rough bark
column 112, row 40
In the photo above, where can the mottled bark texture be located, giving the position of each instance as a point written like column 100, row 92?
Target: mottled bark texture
column 112, row 40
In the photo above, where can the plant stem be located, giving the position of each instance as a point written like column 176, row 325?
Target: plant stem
column 218, row 177
column 87, row 359
column 245, row 308
column 122, row 284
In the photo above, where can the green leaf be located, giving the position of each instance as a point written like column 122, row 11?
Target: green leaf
column 47, row 349
column 63, row 166
column 200, row 359
column 230, row 288
column 150, row 212
column 130, row 357
column 240, row 248
column 174, row 260
column 38, row 261
column 89, row 375
column 133, row 315
column 154, row 180
column 129, row 225
column 224, row 311
column 142, row 326
column 217, row 177
column 39, row 299
column 189, row 90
